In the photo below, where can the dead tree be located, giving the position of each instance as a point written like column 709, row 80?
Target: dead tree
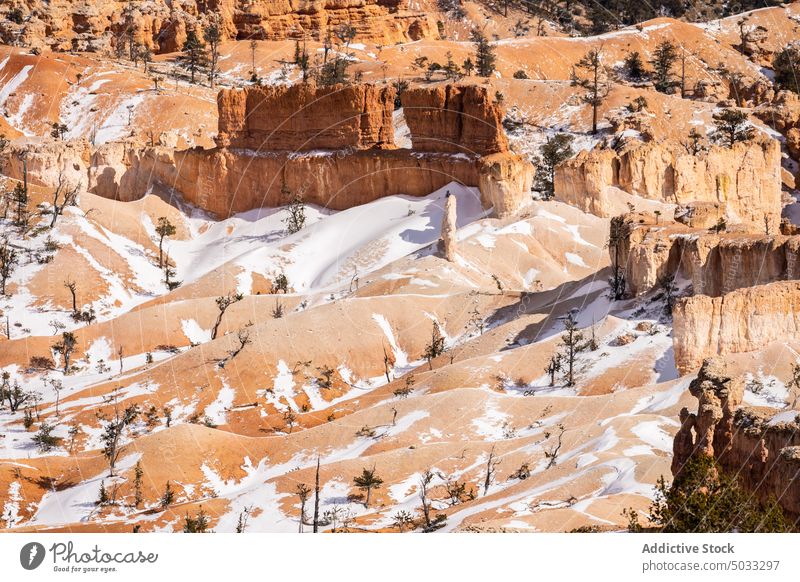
column 243, row 338
column 73, row 290
column 223, row 302
column 302, row 492
column 552, row 452
column 63, row 196
column 316, row 498
column 424, row 484
column 491, row 470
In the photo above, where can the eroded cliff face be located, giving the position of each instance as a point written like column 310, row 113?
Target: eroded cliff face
column 305, row 117
column 783, row 114
column 745, row 180
column 505, row 182
column 454, row 118
column 226, row 181
column 332, row 145
column 741, row 321
column 162, row 25
column 715, row 263
column 761, row 447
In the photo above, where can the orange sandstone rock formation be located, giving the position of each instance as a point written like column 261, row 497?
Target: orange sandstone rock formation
column 761, row 447
column 305, row 117
column 453, row 118
column 744, row 180
column 716, row 263
column 162, row 25
column 741, row 321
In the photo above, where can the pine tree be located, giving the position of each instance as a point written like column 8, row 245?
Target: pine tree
column 223, row 303
column 732, row 126
column 572, row 344
column 590, row 74
column 551, row 153
column 786, row 65
column 634, row 66
column 164, row 229
column 485, row 58
column 662, row 61
column 436, row 346
column 112, row 433
column 65, row 347
column 168, row 497
column 197, row 524
column 553, row 367
column 212, row 34
column 8, row 262
column 194, row 54
column 618, row 231
column 368, row 481
column 20, row 199
column 703, row 498
column 296, row 218
column 45, row 439
column 102, row 498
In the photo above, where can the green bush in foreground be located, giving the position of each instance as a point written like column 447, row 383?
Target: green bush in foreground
column 704, row 499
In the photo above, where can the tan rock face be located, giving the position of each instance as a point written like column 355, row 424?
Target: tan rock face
column 741, row 321
column 716, row 263
column 305, row 117
column 505, row 182
column 763, row 452
column 45, row 161
column 744, row 180
column 225, row 181
column 455, row 119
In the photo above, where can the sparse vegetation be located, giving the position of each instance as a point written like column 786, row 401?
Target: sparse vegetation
column 732, row 126
column 554, row 151
column 368, row 481
column 703, row 498
column 590, row 73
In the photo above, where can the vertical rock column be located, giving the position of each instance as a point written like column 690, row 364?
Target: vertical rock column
column 449, row 227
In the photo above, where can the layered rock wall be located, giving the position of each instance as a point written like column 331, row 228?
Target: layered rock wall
column 715, row 263
column 305, row 117
column 454, row 118
column 760, row 447
column 741, row 321
column 744, row 180
column 332, row 145
column 161, row 25
column 226, row 181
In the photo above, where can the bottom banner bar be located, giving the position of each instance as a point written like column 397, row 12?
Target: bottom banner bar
column 404, row 557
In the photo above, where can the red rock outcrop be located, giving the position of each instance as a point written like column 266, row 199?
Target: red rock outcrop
column 161, row 25
column 305, row 117
column 759, row 445
column 453, row 118
column 744, row 180
column 783, row 114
